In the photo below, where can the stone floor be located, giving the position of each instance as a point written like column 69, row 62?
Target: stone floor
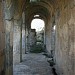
column 33, row 64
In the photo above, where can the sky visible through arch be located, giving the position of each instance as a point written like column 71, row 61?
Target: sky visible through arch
column 37, row 24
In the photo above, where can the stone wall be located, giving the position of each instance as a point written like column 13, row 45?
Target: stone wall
column 16, row 38
column 23, row 41
column 48, row 37
column 9, row 47
column 65, row 39
column 32, row 37
column 2, row 42
column 64, row 57
column 16, row 43
column 64, row 16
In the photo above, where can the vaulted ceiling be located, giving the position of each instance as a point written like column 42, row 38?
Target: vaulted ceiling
column 44, row 8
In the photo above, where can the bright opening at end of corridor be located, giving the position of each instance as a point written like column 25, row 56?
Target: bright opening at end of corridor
column 37, row 24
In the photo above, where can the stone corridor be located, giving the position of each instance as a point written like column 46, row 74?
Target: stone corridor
column 32, row 64
column 16, row 34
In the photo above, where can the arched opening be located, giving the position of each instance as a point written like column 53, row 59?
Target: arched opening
column 36, row 15
column 37, row 24
column 38, row 27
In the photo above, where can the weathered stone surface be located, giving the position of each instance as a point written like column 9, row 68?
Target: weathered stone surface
column 60, row 12
column 9, row 47
column 64, row 52
column 2, row 42
column 17, row 39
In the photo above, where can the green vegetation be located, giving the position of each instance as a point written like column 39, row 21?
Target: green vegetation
column 37, row 49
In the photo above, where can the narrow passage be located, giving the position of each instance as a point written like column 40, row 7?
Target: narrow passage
column 33, row 64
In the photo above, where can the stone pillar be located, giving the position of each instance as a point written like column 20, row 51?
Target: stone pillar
column 9, row 47
column 48, row 38
column 25, row 38
column 32, row 37
column 44, row 36
column 2, row 42
column 23, row 34
column 17, row 43
column 52, row 41
column 28, row 43
column 21, row 43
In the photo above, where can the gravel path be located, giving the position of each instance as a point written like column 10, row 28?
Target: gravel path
column 33, row 64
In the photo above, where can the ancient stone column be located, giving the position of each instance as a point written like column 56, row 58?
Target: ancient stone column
column 25, row 38
column 23, row 33
column 27, row 32
column 21, row 43
column 9, row 47
column 17, row 43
